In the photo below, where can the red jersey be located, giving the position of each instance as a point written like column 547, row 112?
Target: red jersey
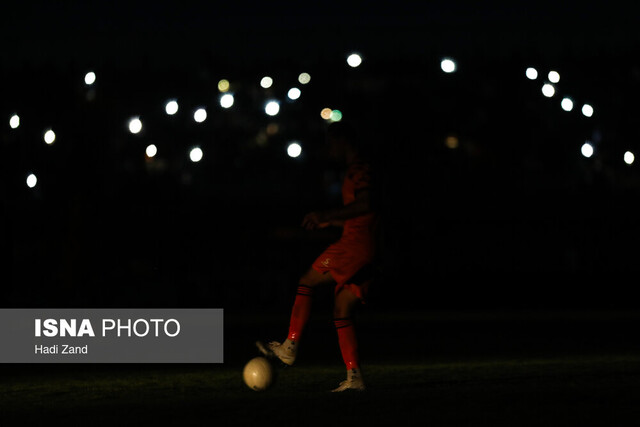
column 355, row 248
column 358, row 230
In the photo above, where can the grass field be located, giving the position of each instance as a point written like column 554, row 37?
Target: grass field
column 470, row 369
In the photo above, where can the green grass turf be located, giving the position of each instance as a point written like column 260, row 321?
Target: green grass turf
column 423, row 369
column 536, row 392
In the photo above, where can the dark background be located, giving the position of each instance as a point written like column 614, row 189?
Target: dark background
column 514, row 217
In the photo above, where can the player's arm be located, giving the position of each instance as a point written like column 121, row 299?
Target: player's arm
column 360, row 206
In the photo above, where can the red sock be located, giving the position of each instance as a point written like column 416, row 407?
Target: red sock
column 300, row 312
column 348, row 342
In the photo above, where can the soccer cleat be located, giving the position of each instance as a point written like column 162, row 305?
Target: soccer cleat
column 285, row 352
column 353, row 382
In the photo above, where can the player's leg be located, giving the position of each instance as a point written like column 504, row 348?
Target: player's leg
column 304, row 297
column 345, row 303
column 300, row 312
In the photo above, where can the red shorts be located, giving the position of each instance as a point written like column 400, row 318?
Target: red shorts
column 344, row 261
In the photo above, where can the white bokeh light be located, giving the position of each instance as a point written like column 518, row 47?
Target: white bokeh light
column 294, row 149
column 354, row 60
column 448, row 65
column 196, row 154
column 272, row 108
column 32, row 180
column 90, row 78
column 531, row 73
column 587, row 149
column 135, row 125
column 171, row 107
column 548, row 90
column 200, row 115
column 566, row 104
column 587, row 110
column 553, row 76
column 49, row 137
column 629, row 158
column 266, row 82
column 151, row 150
column 294, row 93
column 304, row 78
column 226, row 100
column 14, row 121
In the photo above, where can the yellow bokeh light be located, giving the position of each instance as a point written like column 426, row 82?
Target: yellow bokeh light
column 326, row 113
column 272, row 129
column 223, row 85
column 451, row 142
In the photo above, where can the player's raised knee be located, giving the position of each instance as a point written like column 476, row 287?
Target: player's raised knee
column 313, row 278
column 342, row 309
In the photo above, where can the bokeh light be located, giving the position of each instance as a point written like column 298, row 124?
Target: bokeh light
column 196, row 154
column 200, row 115
column 90, row 78
column 336, row 116
column 135, row 125
column 49, row 136
column 451, row 142
column 272, row 129
column 553, row 76
column 226, row 100
column 294, row 93
column 294, row 149
column 223, row 85
column 587, row 149
column 354, row 60
column 266, row 82
column 171, row 107
column 14, row 121
column 629, row 158
column 548, row 90
column 32, row 180
column 531, row 73
column 326, row 113
column 587, row 110
column 272, row 108
column 304, row 78
column 448, row 65
column 566, row 104
column 151, row 150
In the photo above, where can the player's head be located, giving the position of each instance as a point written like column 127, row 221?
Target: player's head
column 342, row 139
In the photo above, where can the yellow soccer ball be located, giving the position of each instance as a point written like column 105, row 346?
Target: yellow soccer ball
column 258, row 374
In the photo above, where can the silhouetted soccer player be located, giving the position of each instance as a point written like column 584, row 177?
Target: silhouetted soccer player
column 347, row 263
